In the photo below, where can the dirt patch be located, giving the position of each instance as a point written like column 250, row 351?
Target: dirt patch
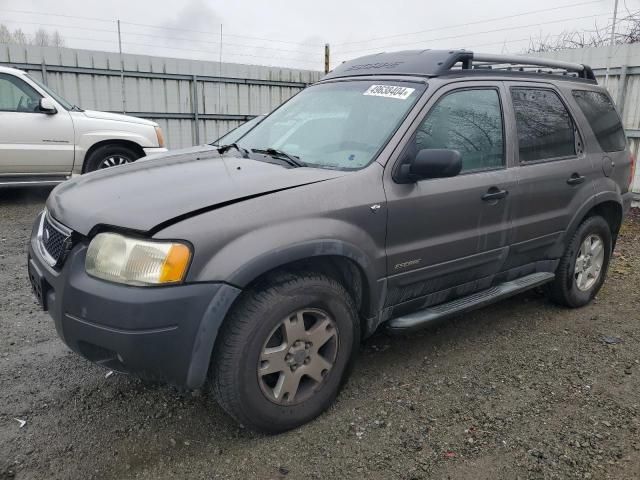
column 521, row 389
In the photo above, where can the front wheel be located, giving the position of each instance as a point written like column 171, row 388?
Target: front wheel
column 583, row 267
column 108, row 156
column 284, row 351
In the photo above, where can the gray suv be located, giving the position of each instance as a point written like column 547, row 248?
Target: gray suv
column 401, row 189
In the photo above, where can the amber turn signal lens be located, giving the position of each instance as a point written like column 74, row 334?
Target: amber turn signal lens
column 175, row 265
column 160, row 136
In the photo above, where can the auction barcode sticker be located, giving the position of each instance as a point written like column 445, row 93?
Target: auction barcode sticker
column 389, row 91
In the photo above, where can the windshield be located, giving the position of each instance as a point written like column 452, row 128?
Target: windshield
column 237, row 133
column 340, row 125
column 66, row 105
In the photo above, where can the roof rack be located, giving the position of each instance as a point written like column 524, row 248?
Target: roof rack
column 523, row 64
column 432, row 63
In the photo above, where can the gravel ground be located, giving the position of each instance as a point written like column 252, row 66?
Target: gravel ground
column 521, row 389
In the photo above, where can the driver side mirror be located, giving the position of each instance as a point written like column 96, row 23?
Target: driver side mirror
column 431, row 163
column 46, row 106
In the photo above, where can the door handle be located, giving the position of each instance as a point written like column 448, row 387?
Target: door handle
column 494, row 193
column 576, row 179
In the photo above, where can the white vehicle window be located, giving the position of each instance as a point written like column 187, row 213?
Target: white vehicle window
column 17, row 96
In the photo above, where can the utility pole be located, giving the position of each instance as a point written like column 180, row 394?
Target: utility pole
column 221, row 45
column 220, row 75
column 327, row 57
column 124, row 101
column 613, row 34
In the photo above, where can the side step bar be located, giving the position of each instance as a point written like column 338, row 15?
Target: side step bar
column 423, row 318
column 31, row 181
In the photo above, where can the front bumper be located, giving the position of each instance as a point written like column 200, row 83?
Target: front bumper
column 151, row 150
column 159, row 333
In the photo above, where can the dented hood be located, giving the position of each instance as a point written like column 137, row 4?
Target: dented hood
column 144, row 195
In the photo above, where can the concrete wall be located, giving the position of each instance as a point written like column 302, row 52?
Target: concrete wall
column 194, row 101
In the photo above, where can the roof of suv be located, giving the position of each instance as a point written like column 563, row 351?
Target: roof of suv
column 13, row 71
column 433, row 63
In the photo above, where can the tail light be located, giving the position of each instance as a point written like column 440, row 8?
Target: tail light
column 633, row 170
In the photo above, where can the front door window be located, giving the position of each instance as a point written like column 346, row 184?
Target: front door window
column 17, row 96
column 469, row 121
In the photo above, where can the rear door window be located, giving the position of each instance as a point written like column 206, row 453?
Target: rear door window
column 603, row 119
column 545, row 128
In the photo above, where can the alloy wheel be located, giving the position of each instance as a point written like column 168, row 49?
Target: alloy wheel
column 114, row 161
column 589, row 262
column 297, row 356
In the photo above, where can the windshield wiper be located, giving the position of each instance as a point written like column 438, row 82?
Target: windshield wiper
column 225, row 148
column 76, row 108
column 281, row 155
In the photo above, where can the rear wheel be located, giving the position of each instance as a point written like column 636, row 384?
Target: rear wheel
column 583, row 267
column 108, row 156
column 284, row 352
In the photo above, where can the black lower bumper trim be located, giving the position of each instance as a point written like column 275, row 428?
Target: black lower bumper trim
column 159, row 333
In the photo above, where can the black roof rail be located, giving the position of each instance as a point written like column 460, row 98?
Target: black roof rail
column 433, row 63
column 521, row 62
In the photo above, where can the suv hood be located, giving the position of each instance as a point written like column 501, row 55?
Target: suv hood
column 144, row 195
column 117, row 117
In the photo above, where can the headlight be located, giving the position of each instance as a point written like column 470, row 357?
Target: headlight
column 132, row 261
column 160, row 137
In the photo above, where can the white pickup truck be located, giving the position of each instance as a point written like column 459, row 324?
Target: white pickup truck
column 44, row 139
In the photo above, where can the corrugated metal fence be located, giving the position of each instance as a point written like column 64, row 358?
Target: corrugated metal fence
column 196, row 101
column 178, row 94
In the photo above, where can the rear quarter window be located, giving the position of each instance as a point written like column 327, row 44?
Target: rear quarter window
column 603, row 119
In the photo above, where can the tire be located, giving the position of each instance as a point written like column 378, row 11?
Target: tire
column 110, row 155
column 569, row 288
column 257, row 328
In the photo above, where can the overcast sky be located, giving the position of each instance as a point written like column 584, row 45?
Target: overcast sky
column 292, row 33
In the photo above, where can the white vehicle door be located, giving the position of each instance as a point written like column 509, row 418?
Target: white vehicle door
column 32, row 142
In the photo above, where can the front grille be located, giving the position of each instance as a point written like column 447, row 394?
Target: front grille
column 54, row 239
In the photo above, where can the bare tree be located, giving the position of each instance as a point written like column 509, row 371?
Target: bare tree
column 19, row 37
column 5, row 34
column 56, row 39
column 627, row 31
column 41, row 37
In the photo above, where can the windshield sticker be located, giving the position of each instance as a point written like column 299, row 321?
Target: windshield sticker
column 389, row 91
